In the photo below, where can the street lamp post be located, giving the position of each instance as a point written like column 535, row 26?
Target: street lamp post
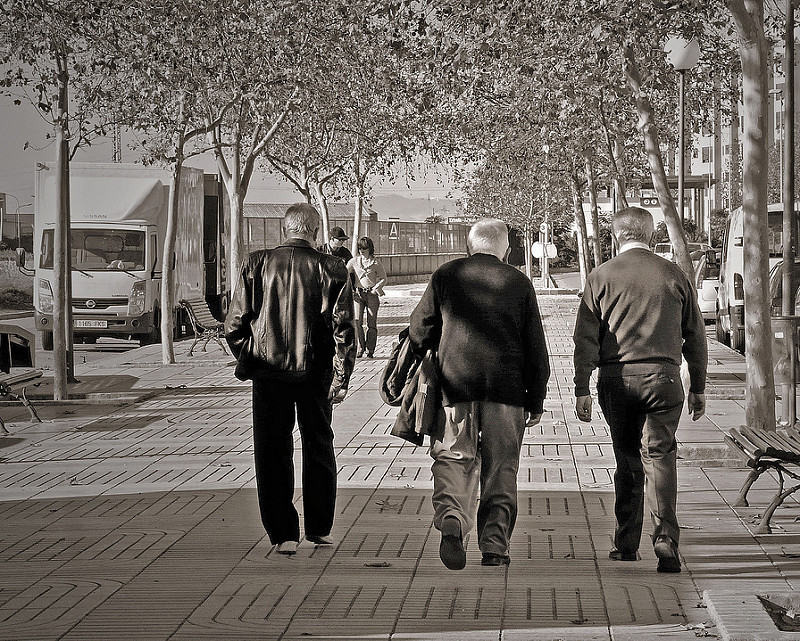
column 19, row 227
column 682, row 55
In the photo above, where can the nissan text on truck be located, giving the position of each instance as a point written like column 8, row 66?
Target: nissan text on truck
column 118, row 223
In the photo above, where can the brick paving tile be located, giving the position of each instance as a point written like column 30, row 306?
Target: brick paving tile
column 138, row 519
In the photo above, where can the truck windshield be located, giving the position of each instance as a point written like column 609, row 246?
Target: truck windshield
column 99, row 249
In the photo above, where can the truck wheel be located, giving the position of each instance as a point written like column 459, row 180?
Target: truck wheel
column 150, row 339
column 737, row 340
column 47, row 341
column 154, row 336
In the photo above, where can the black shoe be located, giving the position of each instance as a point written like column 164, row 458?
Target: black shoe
column 490, row 558
column 619, row 555
column 667, row 552
column 451, row 549
column 360, row 353
column 369, row 355
column 320, row 540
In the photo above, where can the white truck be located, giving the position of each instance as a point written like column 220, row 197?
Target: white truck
column 118, row 223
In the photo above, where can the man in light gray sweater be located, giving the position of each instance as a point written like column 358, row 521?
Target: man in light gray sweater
column 638, row 314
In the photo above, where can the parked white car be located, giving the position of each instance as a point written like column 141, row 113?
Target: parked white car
column 665, row 249
column 706, row 280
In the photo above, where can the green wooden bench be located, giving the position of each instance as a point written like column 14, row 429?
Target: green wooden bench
column 762, row 451
column 205, row 327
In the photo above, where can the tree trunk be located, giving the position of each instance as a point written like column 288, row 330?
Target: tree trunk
column 359, row 211
column 595, row 211
column 237, row 251
column 63, row 372
column 580, row 224
column 760, row 383
column 528, row 252
column 322, row 204
column 734, row 171
column 168, row 273
column 619, row 177
column 648, row 128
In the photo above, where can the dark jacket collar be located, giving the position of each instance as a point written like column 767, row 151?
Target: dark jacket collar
column 296, row 242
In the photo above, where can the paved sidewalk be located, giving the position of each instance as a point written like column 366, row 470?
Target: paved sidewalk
column 131, row 514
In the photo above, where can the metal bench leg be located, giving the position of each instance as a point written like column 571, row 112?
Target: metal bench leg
column 194, row 342
column 764, row 527
column 3, row 430
column 208, row 337
column 221, row 344
column 31, row 409
column 741, row 500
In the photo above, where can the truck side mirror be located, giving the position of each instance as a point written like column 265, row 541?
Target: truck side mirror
column 20, row 258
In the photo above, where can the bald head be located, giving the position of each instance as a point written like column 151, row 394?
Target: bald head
column 633, row 224
column 488, row 236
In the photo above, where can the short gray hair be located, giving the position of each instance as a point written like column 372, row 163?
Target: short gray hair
column 301, row 218
column 488, row 236
column 633, row 224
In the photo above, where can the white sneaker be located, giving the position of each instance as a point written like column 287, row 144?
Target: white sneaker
column 287, row 547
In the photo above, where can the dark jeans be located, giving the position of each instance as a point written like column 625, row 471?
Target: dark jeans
column 274, row 407
column 643, row 413
column 368, row 302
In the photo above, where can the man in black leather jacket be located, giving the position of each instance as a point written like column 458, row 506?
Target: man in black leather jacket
column 290, row 326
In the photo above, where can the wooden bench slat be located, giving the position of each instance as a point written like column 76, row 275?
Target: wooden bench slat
column 738, row 448
column 793, row 439
column 755, row 438
column 21, row 377
column 775, row 445
column 747, row 446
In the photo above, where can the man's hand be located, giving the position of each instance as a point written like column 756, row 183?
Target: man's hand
column 583, row 407
column 532, row 419
column 697, row 405
column 336, row 394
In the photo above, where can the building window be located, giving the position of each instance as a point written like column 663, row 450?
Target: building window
column 706, row 154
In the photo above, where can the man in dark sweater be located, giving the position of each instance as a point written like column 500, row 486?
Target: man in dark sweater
column 482, row 318
column 638, row 314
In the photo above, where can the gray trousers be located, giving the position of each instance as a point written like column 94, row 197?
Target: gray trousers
column 643, row 411
column 479, row 455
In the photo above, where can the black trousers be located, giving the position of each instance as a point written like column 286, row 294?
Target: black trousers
column 275, row 407
column 643, row 413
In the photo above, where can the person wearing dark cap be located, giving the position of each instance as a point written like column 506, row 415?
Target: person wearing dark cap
column 335, row 245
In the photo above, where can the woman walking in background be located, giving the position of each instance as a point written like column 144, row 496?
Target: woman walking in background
column 370, row 277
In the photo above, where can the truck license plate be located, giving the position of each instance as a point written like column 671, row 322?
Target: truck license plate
column 96, row 324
